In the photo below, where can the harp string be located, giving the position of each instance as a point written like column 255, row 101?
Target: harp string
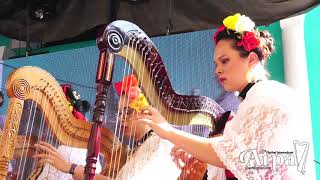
column 154, row 73
column 42, row 128
column 44, row 133
column 26, row 139
column 132, row 131
column 157, row 103
column 114, row 154
column 22, row 119
column 52, row 140
column 140, row 75
column 125, row 114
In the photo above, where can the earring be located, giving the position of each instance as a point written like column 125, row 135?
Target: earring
column 250, row 76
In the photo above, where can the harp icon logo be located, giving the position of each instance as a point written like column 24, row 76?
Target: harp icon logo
column 274, row 160
column 301, row 152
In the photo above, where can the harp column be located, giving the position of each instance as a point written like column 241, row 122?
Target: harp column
column 103, row 81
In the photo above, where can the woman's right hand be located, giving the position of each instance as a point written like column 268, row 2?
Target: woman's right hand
column 155, row 120
column 49, row 154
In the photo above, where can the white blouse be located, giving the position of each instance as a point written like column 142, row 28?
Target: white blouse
column 269, row 137
column 152, row 160
column 70, row 154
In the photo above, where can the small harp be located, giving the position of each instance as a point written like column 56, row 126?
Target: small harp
column 32, row 85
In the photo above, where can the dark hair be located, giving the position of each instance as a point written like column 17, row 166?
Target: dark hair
column 263, row 51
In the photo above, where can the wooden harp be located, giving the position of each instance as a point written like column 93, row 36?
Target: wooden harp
column 126, row 40
column 34, row 85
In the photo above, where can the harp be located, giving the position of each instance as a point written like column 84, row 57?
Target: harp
column 36, row 86
column 128, row 41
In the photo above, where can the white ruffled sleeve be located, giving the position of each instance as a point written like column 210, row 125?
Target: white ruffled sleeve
column 257, row 125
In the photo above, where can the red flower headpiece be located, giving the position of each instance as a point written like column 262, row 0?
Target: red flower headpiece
column 249, row 41
column 243, row 27
column 129, row 85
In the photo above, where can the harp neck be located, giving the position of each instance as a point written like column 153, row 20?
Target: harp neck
column 124, row 38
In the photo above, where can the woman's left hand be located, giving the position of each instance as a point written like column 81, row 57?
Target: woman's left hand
column 180, row 157
column 155, row 120
column 195, row 169
column 49, row 154
column 191, row 167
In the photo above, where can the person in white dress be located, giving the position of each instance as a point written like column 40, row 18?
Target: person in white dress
column 268, row 137
column 148, row 150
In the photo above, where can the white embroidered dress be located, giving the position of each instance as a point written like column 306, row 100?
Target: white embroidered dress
column 265, row 138
column 152, row 160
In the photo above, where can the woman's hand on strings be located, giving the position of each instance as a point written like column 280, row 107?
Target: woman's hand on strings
column 49, row 154
column 155, row 120
column 191, row 167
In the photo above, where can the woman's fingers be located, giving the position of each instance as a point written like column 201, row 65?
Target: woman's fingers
column 45, row 148
column 41, row 156
column 149, row 110
column 191, row 167
column 46, row 156
column 181, row 154
column 144, row 120
column 141, row 118
column 40, row 148
column 53, row 149
column 45, row 160
column 180, row 157
column 195, row 169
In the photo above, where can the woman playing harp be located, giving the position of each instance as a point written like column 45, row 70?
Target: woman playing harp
column 268, row 137
column 38, row 111
column 128, row 41
column 78, row 107
column 148, row 150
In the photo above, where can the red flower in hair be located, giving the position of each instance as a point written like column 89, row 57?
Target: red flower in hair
column 249, row 41
column 220, row 28
column 129, row 83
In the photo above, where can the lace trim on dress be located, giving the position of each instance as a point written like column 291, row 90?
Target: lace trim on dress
column 259, row 125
